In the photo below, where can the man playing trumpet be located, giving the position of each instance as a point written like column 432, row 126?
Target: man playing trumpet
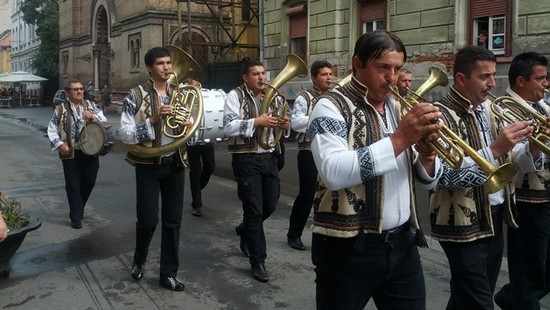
column 466, row 217
column 528, row 245
column 365, row 218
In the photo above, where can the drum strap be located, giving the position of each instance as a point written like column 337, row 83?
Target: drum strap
column 63, row 121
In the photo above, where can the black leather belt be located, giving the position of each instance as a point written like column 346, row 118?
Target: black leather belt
column 168, row 160
column 389, row 234
column 263, row 155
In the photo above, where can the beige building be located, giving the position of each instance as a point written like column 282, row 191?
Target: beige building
column 432, row 30
column 104, row 41
column 5, row 52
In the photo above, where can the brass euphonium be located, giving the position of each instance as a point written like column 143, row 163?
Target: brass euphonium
column 186, row 101
column 454, row 149
column 277, row 102
column 510, row 110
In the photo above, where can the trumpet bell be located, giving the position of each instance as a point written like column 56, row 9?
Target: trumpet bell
column 499, row 178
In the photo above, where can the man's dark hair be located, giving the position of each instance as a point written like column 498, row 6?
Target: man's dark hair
column 154, row 53
column 317, row 65
column 251, row 63
column 67, row 86
column 372, row 45
column 466, row 59
column 523, row 65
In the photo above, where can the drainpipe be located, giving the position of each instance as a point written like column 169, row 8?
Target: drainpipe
column 261, row 28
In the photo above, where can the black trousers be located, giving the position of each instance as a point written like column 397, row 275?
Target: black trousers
column 257, row 177
column 201, row 166
column 475, row 267
column 80, row 176
column 168, row 180
column 386, row 269
column 307, row 177
column 528, row 258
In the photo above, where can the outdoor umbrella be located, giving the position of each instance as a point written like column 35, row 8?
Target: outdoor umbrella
column 19, row 77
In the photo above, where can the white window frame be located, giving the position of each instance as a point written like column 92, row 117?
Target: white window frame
column 376, row 24
column 492, row 33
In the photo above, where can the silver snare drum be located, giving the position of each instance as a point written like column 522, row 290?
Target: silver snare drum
column 97, row 138
column 211, row 128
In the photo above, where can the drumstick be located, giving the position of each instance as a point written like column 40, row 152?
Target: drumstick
column 79, row 144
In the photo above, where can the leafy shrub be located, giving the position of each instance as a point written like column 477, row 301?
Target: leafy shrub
column 11, row 212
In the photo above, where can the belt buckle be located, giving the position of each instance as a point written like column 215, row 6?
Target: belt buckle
column 387, row 236
column 166, row 160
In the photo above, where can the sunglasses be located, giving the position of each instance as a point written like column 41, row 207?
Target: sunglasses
column 77, row 88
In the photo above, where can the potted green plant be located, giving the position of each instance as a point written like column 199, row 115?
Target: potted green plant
column 19, row 224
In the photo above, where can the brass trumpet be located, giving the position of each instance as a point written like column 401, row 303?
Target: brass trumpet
column 510, row 110
column 295, row 66
column 454, row 149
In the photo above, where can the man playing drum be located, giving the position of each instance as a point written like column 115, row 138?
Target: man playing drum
column 64, row 131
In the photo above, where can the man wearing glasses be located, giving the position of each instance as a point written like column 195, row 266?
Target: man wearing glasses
column 64, row 130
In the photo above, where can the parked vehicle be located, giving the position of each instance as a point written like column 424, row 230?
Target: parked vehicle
column 59, row 97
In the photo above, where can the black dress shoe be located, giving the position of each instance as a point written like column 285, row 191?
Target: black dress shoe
column 295, row 243
column 242, row 245
column 137, row 271
column 76, row 224
column 259, row 273
column 197, row 212
column 172, row 284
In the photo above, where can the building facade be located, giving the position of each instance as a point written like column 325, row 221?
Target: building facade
column 5, row 52
column 432, row 30
column 24, row 40
column 5, row 13
column 104, row 41
column 24, row 43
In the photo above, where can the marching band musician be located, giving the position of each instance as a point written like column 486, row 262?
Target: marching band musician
column 255, row 168
column 466, row 218
column 529, row 244
column 321, row 77
column 363, row 245
column 202, row 161
column 143, row 114
column 404, row 82
column 64, row 131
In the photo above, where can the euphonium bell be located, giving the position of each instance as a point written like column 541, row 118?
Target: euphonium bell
column 295, row 66
column 344, row 81
column 454, row 149
column 186, row 101
column 510, row 110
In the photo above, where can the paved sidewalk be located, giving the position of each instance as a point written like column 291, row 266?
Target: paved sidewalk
column 46, row 280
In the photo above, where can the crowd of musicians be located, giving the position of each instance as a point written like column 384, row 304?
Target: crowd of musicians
column 366, row 146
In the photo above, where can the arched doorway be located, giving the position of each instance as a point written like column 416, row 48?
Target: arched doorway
column 199, row 51
column 102, row 49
